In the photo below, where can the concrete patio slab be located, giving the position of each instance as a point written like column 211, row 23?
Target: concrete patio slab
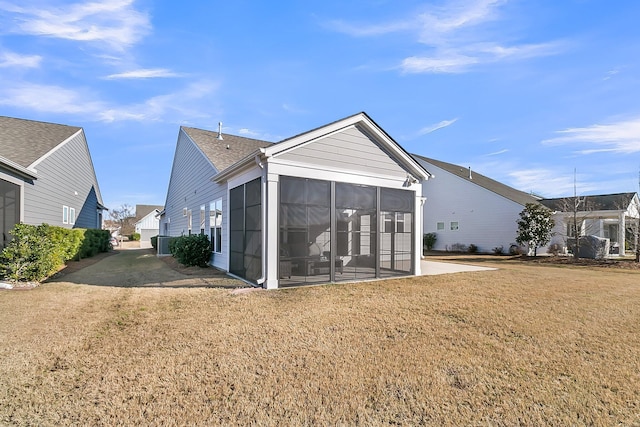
column 432, row 268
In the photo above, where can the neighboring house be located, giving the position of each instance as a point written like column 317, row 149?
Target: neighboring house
column 609, row 216
column 147, row 221
column 464, row 207
column 46, row 176
column 340, row 202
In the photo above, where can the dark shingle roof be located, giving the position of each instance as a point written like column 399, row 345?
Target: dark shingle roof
column 217, row 151
column 499, row 188
column 25, row 141
column 603, row 202
column 144, row 210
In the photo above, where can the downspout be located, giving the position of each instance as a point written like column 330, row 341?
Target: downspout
column 263, row 207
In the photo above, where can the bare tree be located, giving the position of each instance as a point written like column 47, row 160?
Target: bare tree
column 125, row 218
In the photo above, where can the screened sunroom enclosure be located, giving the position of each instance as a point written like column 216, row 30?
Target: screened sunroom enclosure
column 333, row 231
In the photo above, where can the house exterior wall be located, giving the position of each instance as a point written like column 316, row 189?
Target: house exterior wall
column 350, row 149
column 190, row 187
column 483, row 217
column 66, row 177
column 149, row 222
column 148, row 226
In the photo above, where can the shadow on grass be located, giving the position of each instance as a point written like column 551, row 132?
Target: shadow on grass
column 141, row 268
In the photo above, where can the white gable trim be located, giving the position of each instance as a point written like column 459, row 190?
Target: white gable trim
column 54, row 149
column 369, row 126
column 17, row 169
column 415, row 169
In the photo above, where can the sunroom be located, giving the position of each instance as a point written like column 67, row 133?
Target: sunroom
column 339, row 203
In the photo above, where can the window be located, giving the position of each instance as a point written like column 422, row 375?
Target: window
column 202, row 219
column 189, row 221
column 65, row 214
column 454, row 225
column 72, row 216
column 215, row 225
column 440, row 226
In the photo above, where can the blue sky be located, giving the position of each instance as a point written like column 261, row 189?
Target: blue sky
column 523, row 91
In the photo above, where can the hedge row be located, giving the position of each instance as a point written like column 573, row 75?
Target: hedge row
column 191, row 250
column 38, row 251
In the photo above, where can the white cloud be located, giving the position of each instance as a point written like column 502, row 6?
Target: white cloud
column 445, row 64
column 454, row 37
column 48, row 98
column 432, row 128
column 620, row 137
column 11, row 59
column 144, row 73
column 172, row 107
column 114, row 23
column 247, row 132
column 547, row 183
column 497, row 153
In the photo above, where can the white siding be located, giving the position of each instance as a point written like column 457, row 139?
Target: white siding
column 190, row 187
column 484, row 218
column 350, row 149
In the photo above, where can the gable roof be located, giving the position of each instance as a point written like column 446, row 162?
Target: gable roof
column 391, row 147
column 602, row 202
column 23, row 142
column 388, row 144
column 216, row 150
column 144, row 210
column 487, row 183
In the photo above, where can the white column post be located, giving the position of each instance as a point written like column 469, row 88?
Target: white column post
column 622, row 228
column 271, row 228
column 417, row 227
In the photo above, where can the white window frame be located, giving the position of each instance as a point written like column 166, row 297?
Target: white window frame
column 455, row 227
column 189, row 221
column 72, row 216
column 440, row 226
column 65, row 214
column 215, row 223
column 202, row 218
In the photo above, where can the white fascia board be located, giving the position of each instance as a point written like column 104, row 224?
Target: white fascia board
column 18, row 169
column 307, row 170
column 362, row 119
column 54, row 149
column 239, row 166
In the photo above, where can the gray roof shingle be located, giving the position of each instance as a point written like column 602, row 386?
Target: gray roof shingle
column 144, row 210
column 217, row 151
column 499, row 188
column 602, row 202
column 25, row 141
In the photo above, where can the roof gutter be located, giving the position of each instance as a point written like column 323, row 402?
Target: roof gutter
column 17, row 169
column 253, row 158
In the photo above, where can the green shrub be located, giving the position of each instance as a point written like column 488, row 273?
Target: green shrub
column 498, row 250
column 94, row 241
column 37, row 251
column 191, row 250
column 429, row 241
column 472, row 249
column 32, row 255
column 135, row 237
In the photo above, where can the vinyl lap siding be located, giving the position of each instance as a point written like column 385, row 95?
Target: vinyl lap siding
column 484, row 218
column 63, row 173
column 350, row 149
column 190, row 186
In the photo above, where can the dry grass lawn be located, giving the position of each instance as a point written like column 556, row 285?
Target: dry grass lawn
column 523, row 345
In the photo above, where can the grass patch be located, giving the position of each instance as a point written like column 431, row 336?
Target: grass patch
column 526, row 344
